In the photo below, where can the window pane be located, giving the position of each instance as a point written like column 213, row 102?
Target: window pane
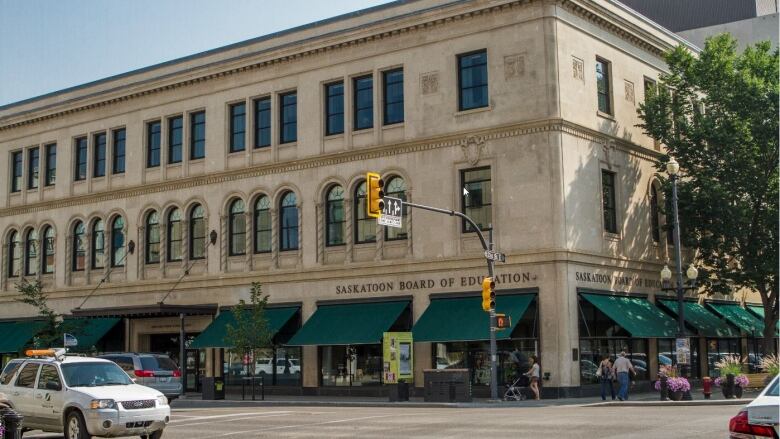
column 335, row 219
column 118, row 242
column 119, row 152
column 237, row 127
column 152, row 238
column 14, row 255
column 289, row 118
column 33, row 167
column 288, row 221
column 608, row 198
column 48, row 264
column 81, row 159
column 602, row 86
column 98, row 245
column 31, row 264
column 175, row 139
column 394, row 96
column 79, row 247
column 99, row 155
column 237, row 225
column 16, row 179
column 51, row 164
column 198, row 135
column 473, row 80
column 334, row 108
column 262, row 122
column 153, row 145
column 197, row 233
column 477, row 198
column 396, row 188
column 174, row 235
column 364, row 102
column 365, row 226
column 263, row 225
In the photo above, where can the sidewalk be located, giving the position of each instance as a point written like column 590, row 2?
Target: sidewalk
column 637, row 400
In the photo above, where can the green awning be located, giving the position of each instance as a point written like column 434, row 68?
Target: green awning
column 759, row 311
column 356, row 323
column 636, row 315
column 740, row 317
column 215, row 335
column 14, row 336
column 462, row 318
column 88, row 331
column 707, row 323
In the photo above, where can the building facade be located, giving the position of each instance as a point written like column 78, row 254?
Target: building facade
column 156, row 197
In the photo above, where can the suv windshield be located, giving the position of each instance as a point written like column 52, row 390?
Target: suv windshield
column 9, row 371
column 94, row 374
column 157, row 362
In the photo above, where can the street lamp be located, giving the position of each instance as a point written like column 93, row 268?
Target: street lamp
column 673, row 168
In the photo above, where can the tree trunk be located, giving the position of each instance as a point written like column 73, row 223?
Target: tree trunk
column 769, row 300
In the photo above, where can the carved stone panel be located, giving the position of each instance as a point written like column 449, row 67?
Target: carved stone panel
column 578, row 68
column 514, row 66
column 429, row 82
column 472, row 149
column 629, row 87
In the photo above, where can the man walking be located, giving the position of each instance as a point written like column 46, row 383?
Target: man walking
column 622, row 367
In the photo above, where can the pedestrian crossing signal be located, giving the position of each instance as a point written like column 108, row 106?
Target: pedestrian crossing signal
column 503, row 321
column 488, row 295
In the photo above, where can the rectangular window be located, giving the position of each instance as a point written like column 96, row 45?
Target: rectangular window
column 175, row 136
column 393, row 85
column 288, row 122
column 51, row 164
column 198, row 135
column 99, row 155
column 650, row 87
column 33, row 167
column 334, row 108
column 608, row 200
column 472, row 80
column 16, row 171
column 602, row 86
column 118, row 165
column 363, row 102
column 262, row 122
column 80, row 171
column 237, row 127
column 477, row 197
column 153, row 144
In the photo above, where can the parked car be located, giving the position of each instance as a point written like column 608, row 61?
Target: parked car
column 760, row 417
column 157, row 371
column 82, row 397
column 264, row 366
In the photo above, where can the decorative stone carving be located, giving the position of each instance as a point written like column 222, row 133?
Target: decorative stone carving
column 514, row 66
column 472, row 149
column 629, row 88
column 578, row 68
column 429, row 82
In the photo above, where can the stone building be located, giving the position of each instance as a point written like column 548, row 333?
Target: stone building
column 116, row 189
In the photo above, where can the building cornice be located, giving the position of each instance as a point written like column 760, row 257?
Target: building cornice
column 391, row 27
column 375, row 152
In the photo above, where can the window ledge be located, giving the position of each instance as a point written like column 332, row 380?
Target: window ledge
column 473, row 110
column 288, row 251
column 261, row 148
column 393, row 126
column 174, row 165
column 288, row 144
column 363, row 130
column 605, row 115
column 612, row 236
column 240, row 151
column 332, row 248
column 198, row 160
column 334, row 136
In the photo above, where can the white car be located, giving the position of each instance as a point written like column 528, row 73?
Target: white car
column 760, row 417
column 82, row 397
column 264, row 366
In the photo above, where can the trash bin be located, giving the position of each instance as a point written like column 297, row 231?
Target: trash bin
column 213, row 388
column 399, row 391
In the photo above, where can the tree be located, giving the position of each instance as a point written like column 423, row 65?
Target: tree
column 251, row 332
column 54, row 327
column 717, row 114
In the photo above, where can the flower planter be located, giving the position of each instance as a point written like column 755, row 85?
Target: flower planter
column 676, row 395
column 738, row 391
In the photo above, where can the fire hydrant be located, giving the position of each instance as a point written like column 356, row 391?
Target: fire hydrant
column 707, row 387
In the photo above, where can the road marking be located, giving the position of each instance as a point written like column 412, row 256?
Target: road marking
column 306, row 425
column 260, row 415
column 222, row 416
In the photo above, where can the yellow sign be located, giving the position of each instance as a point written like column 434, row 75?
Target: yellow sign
column 397, row 357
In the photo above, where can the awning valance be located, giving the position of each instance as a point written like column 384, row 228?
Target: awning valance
column 705, row 322
column 15, row 335
column 88, row 331
column 215, row 335
column 462, row 318
column 346, row 324
column 740, row 317
column 636, row 315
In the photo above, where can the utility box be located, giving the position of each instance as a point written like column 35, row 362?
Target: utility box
column 447, row 385
column 399, row 391
column 213, row 388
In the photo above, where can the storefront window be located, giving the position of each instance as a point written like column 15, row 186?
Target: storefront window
column 286, row 372
column 593, row 349
column 717, row 348
column 513, row 359
column 359, row 365
column 667, row 355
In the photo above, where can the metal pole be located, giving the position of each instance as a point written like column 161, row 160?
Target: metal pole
column 182, row 360
column 493, row 348
column 678, row 261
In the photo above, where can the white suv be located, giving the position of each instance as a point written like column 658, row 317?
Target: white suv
column 82, row 397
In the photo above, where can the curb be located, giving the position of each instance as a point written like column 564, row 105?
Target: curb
column 703, row 402
column 200, row 404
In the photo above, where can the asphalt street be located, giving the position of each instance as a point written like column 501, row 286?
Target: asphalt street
column 516, row 422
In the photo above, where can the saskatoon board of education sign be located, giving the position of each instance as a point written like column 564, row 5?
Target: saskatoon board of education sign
column 430, row 283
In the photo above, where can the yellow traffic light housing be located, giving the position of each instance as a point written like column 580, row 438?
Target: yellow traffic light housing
column 374, row 194
column 488, row 295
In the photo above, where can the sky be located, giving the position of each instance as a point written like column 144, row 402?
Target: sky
column 49, row 45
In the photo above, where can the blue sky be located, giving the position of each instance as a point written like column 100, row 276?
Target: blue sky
column 48, row 45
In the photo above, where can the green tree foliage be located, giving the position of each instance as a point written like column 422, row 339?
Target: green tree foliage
column 251, row 332
column 717, row 114
column 54, row 327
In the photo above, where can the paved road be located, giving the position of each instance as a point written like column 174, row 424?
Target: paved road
column 531, row 422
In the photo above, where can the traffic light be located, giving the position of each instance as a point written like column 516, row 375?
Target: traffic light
column 374, row 195
column 488, row 295
column 503, row 321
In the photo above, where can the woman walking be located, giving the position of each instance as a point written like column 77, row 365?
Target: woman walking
column 534, row 373
column 606, row 375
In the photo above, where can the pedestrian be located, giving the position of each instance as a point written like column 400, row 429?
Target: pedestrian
column 534, row 373
column 622, row 368
column 606, row 374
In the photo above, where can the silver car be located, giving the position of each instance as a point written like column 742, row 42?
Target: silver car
column 157, row 371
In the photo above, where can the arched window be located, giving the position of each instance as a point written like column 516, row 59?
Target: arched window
column 237, row 228
column 334, row 216
column 79, row 247
column 288, row 222
column 31, row 253
column 263, row 225
column 152, row 253
column 14, row 254
column 396, row 188
column 654, row 224
column 174, row 236
column 197, row 233
column 48, row 248
column 98, row 244
column 365, row 226
column 118, row 242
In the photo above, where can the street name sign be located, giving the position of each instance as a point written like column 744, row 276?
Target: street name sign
column 495, row 256
column 391, row 213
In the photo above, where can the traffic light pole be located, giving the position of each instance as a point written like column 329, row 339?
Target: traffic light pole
column 486, row 246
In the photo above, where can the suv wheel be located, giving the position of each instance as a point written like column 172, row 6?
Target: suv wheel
column 75, row 427
column 156, row 435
